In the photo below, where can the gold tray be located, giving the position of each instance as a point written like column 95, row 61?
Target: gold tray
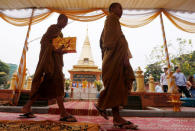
column 68, row 42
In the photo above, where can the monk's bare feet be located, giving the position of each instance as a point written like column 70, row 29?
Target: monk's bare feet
column 27, row 113
column 103, row 113
column 67, row 117
column 26, row 109
column 119, row 122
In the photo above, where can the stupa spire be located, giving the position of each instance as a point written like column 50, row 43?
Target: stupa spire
column 86, row 57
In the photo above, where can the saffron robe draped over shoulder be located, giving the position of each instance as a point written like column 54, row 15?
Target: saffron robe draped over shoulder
column 117, row 76
column 48, row 80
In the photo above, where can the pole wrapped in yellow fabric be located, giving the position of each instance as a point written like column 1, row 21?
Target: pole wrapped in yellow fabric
column 22, row 67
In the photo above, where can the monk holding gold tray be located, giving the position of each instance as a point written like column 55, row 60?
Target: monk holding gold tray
column 68, row 42
column 48, row 80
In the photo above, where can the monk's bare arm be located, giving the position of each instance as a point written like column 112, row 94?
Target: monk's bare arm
column 53, row 32
column 60, row 50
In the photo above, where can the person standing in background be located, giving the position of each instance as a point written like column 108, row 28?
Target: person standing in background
column 180, row 81
column 191, row 85
column 163, row 80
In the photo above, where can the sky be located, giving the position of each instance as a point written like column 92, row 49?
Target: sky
column 141, row 41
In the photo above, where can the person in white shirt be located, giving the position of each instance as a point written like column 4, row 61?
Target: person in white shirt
column 163, row 80
column 180, row 81
column 158, row 88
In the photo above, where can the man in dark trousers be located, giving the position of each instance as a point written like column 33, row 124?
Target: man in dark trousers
column 180, row 81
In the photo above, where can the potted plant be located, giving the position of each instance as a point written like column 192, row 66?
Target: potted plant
column 67, row 87
column 98, row 85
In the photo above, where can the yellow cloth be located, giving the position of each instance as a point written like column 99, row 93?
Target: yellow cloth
column 48, row 80
column 128, row 20
column 183, row 5
column 20, row 125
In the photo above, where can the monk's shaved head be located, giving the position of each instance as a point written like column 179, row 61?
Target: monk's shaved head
column 113, row 5
column 62, row 20
column 116, row 8
column 62, row 17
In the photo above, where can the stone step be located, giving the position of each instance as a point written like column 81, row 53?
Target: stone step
column 134, row 102
column 189, row 102
column 36, row 103
column 24, row 97
column 123, row 112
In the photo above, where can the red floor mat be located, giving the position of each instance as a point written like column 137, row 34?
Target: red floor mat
column 145, row 124
column 76, row 108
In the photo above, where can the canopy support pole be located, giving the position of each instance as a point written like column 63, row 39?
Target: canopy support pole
column 165, row 44
column 172, row 88
column 166, row 53
column 22, row 67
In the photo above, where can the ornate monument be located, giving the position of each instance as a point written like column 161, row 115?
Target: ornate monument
column 151, row 84
column 85, row 68
column 140, row 80
column 84, row 73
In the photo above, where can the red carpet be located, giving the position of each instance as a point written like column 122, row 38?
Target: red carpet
column 145, row 124
column 76, row 108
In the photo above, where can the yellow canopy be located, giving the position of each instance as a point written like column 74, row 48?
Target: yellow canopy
column 180, row 5
column 90, row 10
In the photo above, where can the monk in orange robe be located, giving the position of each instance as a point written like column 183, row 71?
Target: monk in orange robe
column 48, row 80
column 117, row 73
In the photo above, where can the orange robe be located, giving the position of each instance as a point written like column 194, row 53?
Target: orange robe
column 48, row 80
column 117, row 77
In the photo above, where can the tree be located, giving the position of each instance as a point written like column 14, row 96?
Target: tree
column 154, row 70
column 13, row 68
column 180, row 54
column 4, row 69
column 186, row 63
column 185, row 57
column 157, row 55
